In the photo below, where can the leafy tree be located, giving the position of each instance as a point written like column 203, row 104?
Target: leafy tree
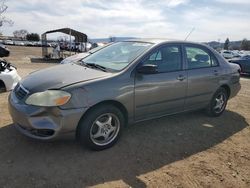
column 20, row 33
column 234, row 47
column 33, row 37
column 245, row 44
column 226, row 44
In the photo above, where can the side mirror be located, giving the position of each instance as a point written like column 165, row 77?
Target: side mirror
column 147, row 69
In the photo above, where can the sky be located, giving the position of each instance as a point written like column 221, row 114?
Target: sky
column 212, row 20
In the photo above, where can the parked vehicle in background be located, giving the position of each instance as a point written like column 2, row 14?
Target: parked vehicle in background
column 236, row 54
column 243, row 52
column 4, row 51
column 19, row 43
column 53, row 44
column 123, row 83
column 8, row 76
column 77, row 57
column 8, row 42
column 227, row 54
column 29, row 43
column 74, row 47
column 243, row 62
column 37, row 43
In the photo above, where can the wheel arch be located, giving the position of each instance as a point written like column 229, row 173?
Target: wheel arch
column 117, row 104
column 241, row 71
column 2, row 85
column 227, row 88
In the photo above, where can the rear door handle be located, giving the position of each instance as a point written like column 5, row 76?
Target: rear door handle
column 216, row 73
column 181, row 77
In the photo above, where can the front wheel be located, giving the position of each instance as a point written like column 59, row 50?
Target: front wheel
column 101, row 127
column 218, row 103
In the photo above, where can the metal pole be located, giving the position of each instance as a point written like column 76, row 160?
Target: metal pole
column 190, row 33
column 70, row 41
column 44, row 46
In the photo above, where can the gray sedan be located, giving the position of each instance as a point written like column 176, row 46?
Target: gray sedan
column 121, row 84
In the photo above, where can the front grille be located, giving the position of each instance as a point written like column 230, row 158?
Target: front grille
column 42, row 132
column 21, row 92
column 39, row 132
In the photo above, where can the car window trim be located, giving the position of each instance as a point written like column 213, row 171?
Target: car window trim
column 155, row 49
column 207, row 50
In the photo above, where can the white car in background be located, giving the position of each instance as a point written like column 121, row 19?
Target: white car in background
column 19, row 43
column 8, row 42
column 227, row 54
column 8, row 76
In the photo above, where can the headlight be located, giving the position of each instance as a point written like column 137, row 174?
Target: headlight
column 49, row 98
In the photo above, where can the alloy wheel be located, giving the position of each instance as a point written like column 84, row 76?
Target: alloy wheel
column 105, row 129
column 220, row 102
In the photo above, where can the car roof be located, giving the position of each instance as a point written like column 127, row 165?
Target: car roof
column 162, row 41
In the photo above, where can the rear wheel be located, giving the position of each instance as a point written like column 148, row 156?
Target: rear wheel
column 101, row 127
column 218, row 103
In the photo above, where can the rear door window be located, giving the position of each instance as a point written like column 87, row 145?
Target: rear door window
column 199, row 58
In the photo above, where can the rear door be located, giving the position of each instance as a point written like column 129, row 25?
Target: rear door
column 203, row 72
column 163, row 92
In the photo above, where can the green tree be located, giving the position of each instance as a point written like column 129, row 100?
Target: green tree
column 226, row 44
column 33, row 37
column 22, row 33
column 245, row 44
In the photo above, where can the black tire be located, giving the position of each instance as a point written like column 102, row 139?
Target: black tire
column 2, row 90
column 211, row 109
column 2, row 87
column 86, row 126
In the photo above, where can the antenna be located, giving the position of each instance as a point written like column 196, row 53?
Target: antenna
column 190, row 33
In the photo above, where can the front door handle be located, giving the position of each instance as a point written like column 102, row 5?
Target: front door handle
column 181, row 77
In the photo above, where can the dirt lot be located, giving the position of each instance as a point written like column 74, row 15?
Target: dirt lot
column 187, row 150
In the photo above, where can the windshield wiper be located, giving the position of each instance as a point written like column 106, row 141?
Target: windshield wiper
column 94, row 65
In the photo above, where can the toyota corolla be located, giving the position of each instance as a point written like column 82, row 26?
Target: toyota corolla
column 124, row 83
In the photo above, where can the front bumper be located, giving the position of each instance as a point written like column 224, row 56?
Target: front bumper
column 43, row 123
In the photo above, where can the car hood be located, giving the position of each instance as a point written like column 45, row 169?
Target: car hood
column 75, row 58
column 60, row 76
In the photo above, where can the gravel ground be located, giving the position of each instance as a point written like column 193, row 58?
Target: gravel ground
column 185, row 150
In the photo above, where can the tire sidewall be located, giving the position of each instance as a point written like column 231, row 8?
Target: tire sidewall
column 85, row 124
column 211, row 110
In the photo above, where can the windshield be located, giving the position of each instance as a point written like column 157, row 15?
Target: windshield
column 95, row 49
column 118, row 55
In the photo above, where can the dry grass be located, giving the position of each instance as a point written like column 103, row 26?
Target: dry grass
column 186, row 150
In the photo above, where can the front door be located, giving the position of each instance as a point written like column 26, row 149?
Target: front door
column 162, row 92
